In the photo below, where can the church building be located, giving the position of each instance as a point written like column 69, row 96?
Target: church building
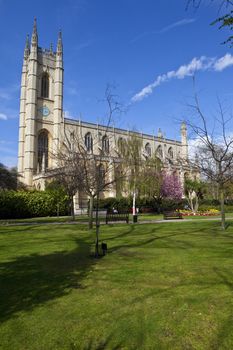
column 42, row 123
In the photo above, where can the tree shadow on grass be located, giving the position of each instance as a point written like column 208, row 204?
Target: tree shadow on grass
column 101, row 345
column 131, row 228
column 224, row 277
column 150, row 239
column 223, row 337
column 29, row 281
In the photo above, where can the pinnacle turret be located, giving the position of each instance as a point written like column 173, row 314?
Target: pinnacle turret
column 183, row 126
column 59, row 44
column 34, row 40
column 27, row 48
column 51, row 49
column 184, row 140
column 160, row 133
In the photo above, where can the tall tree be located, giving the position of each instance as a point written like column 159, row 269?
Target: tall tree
column 151, row 178
column 225, row 20
column 89, row 166
column 9, row 178
column 214, row 150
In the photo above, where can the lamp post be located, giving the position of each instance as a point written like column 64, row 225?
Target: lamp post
column 135, row 216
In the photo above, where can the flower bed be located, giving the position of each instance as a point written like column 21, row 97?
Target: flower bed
column 208, row 212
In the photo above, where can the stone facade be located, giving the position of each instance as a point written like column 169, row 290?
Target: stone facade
column 42, row 125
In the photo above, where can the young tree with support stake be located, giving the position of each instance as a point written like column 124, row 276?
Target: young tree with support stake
column 81, row 169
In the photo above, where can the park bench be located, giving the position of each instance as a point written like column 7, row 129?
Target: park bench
column 110, row 217
column 172, row 215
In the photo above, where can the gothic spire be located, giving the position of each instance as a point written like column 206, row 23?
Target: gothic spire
column 183, row 126
column 59, row 44
column 27, row 47
column 160, row 134
column 51, row 49
column 34, row 26
column 34, row 40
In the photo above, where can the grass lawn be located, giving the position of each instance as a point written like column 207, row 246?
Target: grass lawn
column 46, row 219
column 161, row 286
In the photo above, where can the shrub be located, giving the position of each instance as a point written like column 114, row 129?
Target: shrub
column 26, row 204
column 121, row 204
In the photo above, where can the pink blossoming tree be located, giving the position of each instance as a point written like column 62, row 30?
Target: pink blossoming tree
column 171, row 187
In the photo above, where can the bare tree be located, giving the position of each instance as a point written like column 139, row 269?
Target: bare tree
column 68, row 167
column 197, row 3
column 214, row 150
column 90, row 168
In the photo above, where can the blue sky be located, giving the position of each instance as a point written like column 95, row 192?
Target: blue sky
column 139, row 46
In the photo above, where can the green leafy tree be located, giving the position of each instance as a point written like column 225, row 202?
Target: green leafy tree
column 58, row 192
column 151, row 178
column 224, row 21
column 9, row 178
column 142, row 171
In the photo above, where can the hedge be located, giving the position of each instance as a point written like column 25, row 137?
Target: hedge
column 145, row 205
column 26, row 204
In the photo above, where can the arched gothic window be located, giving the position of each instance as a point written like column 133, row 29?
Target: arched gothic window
column 105, row 144
column 170, row 152
column 43, row 146
column 160, row 151
column 148, row 149
column 121, row 146
column 89, row 142
column 45, row 85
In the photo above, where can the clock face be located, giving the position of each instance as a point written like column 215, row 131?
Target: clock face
column 44, row 111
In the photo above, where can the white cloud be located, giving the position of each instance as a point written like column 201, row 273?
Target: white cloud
column 180, row 23
column 171, row 26
column 3, row 116
column 196, row 64
column 193, row 145
column 223, row 62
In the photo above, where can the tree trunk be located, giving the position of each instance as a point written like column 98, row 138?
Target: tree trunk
column 190, row 202
column 196, row 205
column 97, row 225
column 223, row 221
column 91, row 203
column 72, row 208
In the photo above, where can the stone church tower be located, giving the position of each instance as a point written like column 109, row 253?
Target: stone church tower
column 41, row 108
